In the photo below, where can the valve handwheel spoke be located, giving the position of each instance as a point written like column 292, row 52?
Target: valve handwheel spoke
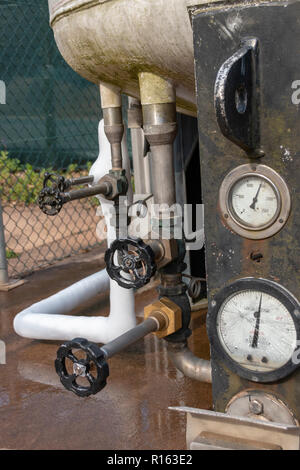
column 94, row 360
column 134, row 258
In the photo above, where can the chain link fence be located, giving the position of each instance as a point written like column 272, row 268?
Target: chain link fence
column 48, row 121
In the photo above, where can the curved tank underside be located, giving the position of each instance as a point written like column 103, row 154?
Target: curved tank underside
column 114, row 40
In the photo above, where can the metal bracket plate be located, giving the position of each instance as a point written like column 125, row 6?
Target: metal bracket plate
column 237, row 98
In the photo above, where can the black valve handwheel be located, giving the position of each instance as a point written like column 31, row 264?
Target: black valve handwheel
column 93, row 367
column 130, row 262
column 50, row 201
column 58, row 182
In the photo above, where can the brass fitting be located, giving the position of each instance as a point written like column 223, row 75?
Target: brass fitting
column 168, row 315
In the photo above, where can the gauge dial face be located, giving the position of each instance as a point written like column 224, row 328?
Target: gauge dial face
column 254, row 202
column 256, row 330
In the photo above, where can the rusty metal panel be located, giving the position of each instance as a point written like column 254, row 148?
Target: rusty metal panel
column 218, row 33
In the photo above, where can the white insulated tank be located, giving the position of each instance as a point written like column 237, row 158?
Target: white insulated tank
column 114, row 40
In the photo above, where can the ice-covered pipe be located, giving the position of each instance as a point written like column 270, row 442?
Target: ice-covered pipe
column 47, row 320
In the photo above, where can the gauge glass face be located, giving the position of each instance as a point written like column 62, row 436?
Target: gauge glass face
column 254, row 202
column 256, row 330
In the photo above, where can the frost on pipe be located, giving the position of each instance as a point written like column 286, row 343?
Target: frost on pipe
column 47, row 320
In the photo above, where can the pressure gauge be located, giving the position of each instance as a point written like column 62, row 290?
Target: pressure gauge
column 255, row 326
column 254, row 201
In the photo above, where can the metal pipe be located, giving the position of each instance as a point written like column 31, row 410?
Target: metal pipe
column 189, row 364
column 158, row 249
column 114, row 130
column 130, row 337
column 47, row 319
column 160, row 128
column 3, row 260
column 103, row 188
column 135, row 123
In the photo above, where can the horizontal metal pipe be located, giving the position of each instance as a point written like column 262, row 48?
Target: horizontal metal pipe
column 103, row 188
column 190, row 365
column 81, row 180
column 132, row 336
column 114, row 130
column 157, row 248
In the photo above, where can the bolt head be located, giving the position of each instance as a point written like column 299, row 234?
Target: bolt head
column 256, row 407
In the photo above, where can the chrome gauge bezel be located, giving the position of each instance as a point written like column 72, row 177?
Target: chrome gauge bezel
column 265, row 286
column 281, row 191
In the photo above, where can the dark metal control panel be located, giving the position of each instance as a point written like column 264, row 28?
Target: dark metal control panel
column 248, row 88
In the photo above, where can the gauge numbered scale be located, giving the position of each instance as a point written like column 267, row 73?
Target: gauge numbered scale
column 254, row 324
column 254, row 201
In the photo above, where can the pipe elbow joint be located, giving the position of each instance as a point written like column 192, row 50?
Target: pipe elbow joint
column 190, row 365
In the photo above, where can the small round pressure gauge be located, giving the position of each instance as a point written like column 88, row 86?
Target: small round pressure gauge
column 255, row 327
column 254, row 201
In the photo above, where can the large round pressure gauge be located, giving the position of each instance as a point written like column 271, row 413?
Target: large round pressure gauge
column 254, row 325
column 254, row 201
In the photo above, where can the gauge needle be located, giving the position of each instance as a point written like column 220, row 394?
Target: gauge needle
column 256, row 331
column 255, row 198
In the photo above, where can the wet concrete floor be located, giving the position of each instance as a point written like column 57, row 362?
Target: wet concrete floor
column 36, row 412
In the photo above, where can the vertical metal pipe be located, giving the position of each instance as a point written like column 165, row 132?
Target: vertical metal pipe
column 3, row 260
column 102, row 188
